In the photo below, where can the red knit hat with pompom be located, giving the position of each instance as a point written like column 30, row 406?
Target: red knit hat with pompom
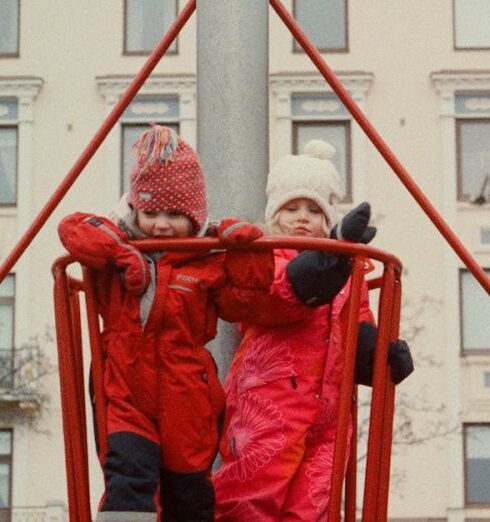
column 167, row 176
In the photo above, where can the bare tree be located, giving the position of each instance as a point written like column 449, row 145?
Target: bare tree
column 422, row 417
column 22, row 371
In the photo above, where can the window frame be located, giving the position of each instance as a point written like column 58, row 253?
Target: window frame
column 468, row 351
column 297, row 122
column 16, row 53
column 11, row 301
column 297, row 49
column 14, row 126
column 9, row 459
column 465, row 465
column 458, row 122
column 127, row 52
column 455, row 47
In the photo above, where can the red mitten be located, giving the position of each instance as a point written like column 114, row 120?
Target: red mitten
column 97, row 243
column 135, row 270
column 234, row 231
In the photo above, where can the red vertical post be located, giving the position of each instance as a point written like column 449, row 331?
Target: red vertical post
column 371, row 486
column 341, row 436
column 78, row 361
column 75, row 450
column 351, row 479
column 97, row 353
column 389, row 409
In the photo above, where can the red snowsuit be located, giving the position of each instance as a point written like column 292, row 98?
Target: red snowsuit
column 282, row 401
column 164, row 398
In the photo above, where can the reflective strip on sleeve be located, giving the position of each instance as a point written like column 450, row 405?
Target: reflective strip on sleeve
column 125, row 516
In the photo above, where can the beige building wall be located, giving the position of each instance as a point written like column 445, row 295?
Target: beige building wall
column 403, row 72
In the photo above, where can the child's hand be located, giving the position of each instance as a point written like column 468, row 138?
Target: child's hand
column 354, row 226
column 399, row 357
column 317, row 276
column 135, row 272
column 233, row 231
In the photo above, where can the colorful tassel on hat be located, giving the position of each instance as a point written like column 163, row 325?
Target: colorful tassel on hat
column 156, row 144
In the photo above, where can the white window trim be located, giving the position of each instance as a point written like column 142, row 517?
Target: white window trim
column 25, row 89
column 112, row 87
column 284, row 85
column 447, row 84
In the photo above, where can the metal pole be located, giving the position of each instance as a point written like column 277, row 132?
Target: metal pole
column 232, row 134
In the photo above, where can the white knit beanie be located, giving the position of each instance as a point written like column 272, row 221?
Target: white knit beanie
column 309, row 175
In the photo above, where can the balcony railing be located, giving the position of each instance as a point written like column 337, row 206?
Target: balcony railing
column 50, row 513
column 20, row 370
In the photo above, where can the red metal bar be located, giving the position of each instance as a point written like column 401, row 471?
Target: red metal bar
column 97, row 353
column 389, row 411
column 78, row 360
column 341, row 436
column 68, row 343
column 382, row 147
column 75, row 452
column 371, row 483
column 98, row 138
column 351, row 478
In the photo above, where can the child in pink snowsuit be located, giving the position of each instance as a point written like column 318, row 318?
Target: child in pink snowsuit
column 284, row 383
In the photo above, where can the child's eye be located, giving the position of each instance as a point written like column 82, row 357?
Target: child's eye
column 149, row 213
column 175, row 214
column 315, row 210
column 290, row 208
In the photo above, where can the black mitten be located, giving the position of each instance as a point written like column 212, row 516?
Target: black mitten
column 354, row 226
column 399, row 357
column 401, row 361
column 317, row 276
column 366, row 345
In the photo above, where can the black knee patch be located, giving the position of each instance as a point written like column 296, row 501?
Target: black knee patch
column 186, row 497
column 131, row 471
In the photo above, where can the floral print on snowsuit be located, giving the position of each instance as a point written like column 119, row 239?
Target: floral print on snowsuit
column 283, row 393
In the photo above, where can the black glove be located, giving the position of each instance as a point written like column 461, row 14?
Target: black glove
column 354, row 226
column 317, row 276
column 399, row 357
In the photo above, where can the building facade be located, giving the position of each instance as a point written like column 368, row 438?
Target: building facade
column 418, row 70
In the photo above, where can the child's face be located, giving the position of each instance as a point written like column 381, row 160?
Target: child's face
column 301, row 217
column 163, row 224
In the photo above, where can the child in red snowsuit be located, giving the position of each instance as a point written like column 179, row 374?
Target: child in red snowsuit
column 164, row 399
column 283, row 387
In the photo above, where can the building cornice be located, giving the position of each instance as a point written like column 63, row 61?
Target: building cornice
column 452, row 81
column 356, row 82
column 20, row 86
column 114, row 85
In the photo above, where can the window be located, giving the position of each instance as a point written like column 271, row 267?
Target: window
column 324, row 22
column 334, row 127
column 145, row 22
column 8, row 151
column 477, row 463
column 7, row 302
column 9, row 28
column 5, row 473
column 475, row 311
column 471, row 28
column 473, row 154
column 163, row 110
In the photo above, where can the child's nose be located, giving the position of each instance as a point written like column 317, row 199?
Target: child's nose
column 161, row 223
column 303, row 215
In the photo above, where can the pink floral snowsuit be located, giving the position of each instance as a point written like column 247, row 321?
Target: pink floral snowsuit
column 282, row 401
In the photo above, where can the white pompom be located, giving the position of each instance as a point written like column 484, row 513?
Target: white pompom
column 319, row 149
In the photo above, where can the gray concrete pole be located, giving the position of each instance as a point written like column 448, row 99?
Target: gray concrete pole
column 233, row 117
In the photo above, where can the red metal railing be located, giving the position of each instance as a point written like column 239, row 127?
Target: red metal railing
column 331, row 79
column 70, row 354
